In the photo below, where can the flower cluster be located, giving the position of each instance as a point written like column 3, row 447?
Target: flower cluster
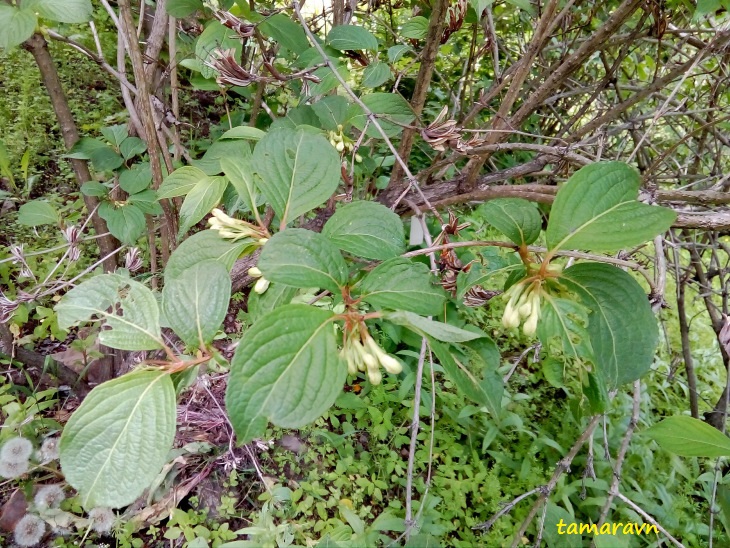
column 342, row 143
column 236, row 229
column 523, row 304
column 362, row 353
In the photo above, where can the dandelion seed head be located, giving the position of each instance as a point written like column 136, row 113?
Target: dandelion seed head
column 49, row 450
column 49, row 496
column 12, row 470
column 102, row 519
column 16, row 450
column 29, row 530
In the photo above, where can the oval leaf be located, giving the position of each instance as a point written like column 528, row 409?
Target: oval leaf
column 302, row 258
column 240, row 174
column 183, row 8
column 117, row 441
column 400, row 284
column 63, row 11
column 351, row 37
column 180, row 182
column 517, row 219
column 366, row 229
column 299, row 171
column 204, row 196
column 286, row 369
column 438, row 330
column 125, row 222
column 689, row 437
column 244, row 132
column 388, row 106
column 128, row 308
column 376, row 74
column 597, row 210
column 195, row 303
column 621, row 326
column 37, row 213
column 16, row 26
column 199, row 247
column 415, row 27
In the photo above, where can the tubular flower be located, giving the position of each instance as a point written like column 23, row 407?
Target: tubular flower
column 235, row 229
column 368, row 357
column 523, row 304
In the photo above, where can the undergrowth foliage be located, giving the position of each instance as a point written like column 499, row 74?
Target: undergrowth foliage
column 291, row 365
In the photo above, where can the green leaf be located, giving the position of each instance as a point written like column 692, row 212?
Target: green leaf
column 136, row 179
column 564, row 320
column 621, row 325
column 285, row 31
column 37, row 213
column 302, row 258
column 183, row 8
column 705, row 7
column 204, row 196
column 366, row 229
column 195, row 303
column 388, row 106
column 494, row 264
column 286, row 369
column 553, row 516
column 244, row 132
column 516, row 218
column 597, row 210
column 128, row 308
column 131, row 147
column 415, row 28
column 596, row 393
column 202, row 246
column 485, row 392
column 689, row 437
column 117, row 441
column 84, row 147
column 240, row 173
column 332, row 111
column 425, row 327
column 125, row 222
column 63, row 11
column 351, row 37
column 94, row 188
column 105, row 158
column 397, row 51
column 299, row 171
column 215, row 37
column 180, row 182
column 146, row 201
column 328, row 79
column 400, row 284
column 16, row 26
column 376, row 74
column 115, row 134
column 210, row 163
column 276, row 295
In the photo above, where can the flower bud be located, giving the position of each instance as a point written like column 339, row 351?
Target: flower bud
column 261, row 286
column 340, row 146
column 375, row 376
column 358, row 158
column 530, row 325
column 254, row 272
